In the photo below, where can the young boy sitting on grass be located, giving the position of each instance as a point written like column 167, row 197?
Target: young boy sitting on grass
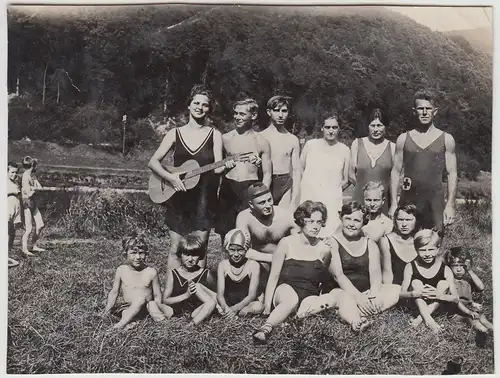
column 378, row 224
column 139, row 284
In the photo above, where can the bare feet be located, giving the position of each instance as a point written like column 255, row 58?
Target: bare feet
column 38, row 249
column 13, row 263
column 415, row 322
column 435, row 327
column 361, row 325
column 28, row 253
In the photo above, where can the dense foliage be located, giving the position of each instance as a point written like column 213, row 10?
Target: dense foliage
column 78, row 75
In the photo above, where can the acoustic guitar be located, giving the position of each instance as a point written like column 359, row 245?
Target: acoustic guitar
column 160, row 190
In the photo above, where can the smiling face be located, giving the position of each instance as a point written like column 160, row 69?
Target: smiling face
column 236, row 253
column 376, row 130
column 243, row 117
column 405, row 223
column 313, row 224
column 12, row 173
column 424, row 111
column 136, row 257
column 427, row 253
column 199, row 107
column 352, row 223
column 278, row 114
column 262, row 205
column 330, row 129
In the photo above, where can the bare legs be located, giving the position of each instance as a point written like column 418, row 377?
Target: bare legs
column 29, row 217
column 12, row 236
column 426, row 309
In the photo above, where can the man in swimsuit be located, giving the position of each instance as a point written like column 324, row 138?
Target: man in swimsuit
column 424, row 153
column 285, row 151
column 234, row 184
column 267, row 224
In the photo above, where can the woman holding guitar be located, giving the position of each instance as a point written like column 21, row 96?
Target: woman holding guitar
column 191, row 211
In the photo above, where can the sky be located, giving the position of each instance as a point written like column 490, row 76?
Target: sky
column 449, row 18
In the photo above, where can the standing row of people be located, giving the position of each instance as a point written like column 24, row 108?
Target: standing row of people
column 321, row 172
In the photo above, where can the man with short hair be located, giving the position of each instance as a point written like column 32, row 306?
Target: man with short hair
column 425, row 153
column 235, row 182
column 285, row 151
column 267, row 224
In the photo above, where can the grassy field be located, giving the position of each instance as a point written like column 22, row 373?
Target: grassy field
column 55, row 301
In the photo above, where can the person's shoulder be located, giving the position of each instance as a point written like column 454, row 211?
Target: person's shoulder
column 343, row 146
column 123, row 268
column 252, row 264
column 228, row 135
column 216, row 132
column 265, row 132
column 151, row 270
column 244, row 214
column 223, row 264
column 283, row 213
column 260, row 139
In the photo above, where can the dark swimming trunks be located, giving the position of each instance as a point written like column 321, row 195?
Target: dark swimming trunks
column 280, row 184
column 232, row 200
column 305, row 277
column 422, row 184
column 433, row 281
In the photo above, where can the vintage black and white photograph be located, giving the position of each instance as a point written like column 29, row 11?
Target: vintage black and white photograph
column 249, row 189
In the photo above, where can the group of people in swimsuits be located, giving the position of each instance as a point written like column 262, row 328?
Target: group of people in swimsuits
column 22, row 206
column 292, row 246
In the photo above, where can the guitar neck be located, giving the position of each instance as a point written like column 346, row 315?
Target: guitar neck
column 208, row 167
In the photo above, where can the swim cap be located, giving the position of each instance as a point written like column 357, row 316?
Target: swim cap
column 237, row 237
column 256, row 190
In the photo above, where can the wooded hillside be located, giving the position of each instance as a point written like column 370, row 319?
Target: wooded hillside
column 78, row 75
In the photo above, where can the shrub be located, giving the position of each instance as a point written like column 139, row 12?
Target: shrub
column 112, row 215
column 96, row 124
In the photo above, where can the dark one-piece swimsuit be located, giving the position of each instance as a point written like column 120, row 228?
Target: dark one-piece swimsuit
column 305, row 277
column 433, row 281
column 235, row 291
column 181, row 286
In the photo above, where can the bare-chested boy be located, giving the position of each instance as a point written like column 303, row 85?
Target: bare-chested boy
column 285, row 152
column 241, row 174
column 425, row 153
column 267, row 224
column 139, row 285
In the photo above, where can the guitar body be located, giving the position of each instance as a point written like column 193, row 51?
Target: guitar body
column 161, row 191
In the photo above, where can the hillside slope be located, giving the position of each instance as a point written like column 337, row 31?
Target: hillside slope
column 347, row 58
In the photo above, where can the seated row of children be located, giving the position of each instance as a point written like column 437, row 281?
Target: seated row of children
column 425, row 280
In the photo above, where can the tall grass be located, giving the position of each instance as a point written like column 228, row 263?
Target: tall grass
column 55, row 302
column 112, row 215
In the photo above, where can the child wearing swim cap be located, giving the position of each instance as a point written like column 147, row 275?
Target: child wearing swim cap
column 238, row 278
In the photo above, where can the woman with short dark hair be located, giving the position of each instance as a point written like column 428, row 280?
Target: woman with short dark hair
column 355, row 266
column 298, row 270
